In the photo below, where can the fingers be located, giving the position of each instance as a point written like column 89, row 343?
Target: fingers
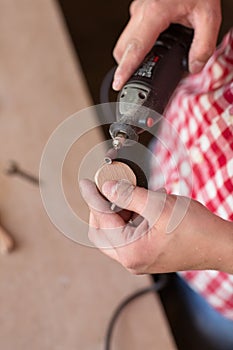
column 133, row 55
column 206, row 24
column 92, row 197
column 115, row 237
column 150, row 17
column 101, row 215
column 107, row 229
column 97, row 203
column 146, row 203
column 138, row 38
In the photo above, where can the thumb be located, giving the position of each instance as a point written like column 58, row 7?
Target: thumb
column 125, row 195
column 146, row 203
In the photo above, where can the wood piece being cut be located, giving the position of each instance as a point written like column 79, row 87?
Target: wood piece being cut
column 6, row 241
column 114, row 171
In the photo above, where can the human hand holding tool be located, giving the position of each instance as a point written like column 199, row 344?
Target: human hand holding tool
column 164, row 234
column 144, row 97
column 148, row 18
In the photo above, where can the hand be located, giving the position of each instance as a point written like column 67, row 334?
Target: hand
column 151, row 17
column 171, row 233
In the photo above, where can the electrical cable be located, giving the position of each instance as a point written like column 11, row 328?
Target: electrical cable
column 106, row 85
column 105, row 93
column 155, row 287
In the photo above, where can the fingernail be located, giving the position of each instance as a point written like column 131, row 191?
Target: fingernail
column 117, row 83
column 196, row 66
column 109, row 188
column 116, row 189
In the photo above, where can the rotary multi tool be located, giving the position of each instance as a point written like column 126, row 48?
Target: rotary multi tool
column 143, row 99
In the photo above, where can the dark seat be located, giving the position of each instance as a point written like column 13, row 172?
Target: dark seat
column 194, row 324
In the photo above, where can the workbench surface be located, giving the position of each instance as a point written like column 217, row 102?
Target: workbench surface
column 54, row 293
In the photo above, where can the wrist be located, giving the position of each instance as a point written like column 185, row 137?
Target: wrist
column 224, row 254
column 212, row 239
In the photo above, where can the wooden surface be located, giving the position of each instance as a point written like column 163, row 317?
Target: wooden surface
column 54, row 293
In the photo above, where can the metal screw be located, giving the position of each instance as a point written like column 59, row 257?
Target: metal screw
column 14, row 169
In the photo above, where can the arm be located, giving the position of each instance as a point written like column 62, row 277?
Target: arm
column 172, row 233
column 148, row 18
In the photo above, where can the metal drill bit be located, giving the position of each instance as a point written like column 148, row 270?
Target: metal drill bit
column 112, row 153
column 14, row 169
column 118, row 141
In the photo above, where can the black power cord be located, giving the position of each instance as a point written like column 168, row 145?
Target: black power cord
column 155, row 287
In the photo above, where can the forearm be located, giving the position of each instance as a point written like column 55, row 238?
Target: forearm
column 223, row 249
column 202, row 241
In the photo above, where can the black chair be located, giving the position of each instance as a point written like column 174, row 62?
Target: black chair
column 184, row 320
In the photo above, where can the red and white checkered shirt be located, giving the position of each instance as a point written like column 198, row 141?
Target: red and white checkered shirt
column 194, row 156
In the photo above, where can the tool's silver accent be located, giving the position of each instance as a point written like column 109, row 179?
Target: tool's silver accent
column 132, row 95
column 122, row 134
column 131, row 99
column 119, row 140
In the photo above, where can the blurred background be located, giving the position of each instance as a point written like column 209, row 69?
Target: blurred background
column 94, row 27
column 55, row 294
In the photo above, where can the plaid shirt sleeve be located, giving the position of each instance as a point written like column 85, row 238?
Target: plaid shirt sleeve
column 199, row 162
